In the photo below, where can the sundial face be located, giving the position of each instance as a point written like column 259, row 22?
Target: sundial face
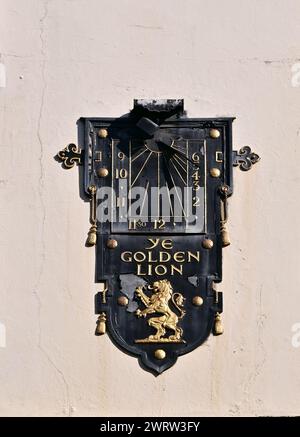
column 163, row 187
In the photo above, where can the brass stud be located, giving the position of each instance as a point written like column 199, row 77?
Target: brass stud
column 102, row 133
column 224, row 190
column 197, row 301
column 123, row 301
column 112, row 244
column 92, row 189
column 207, row 243
column 214, row 133
column 215, row 172
column 160, row 354
column 102, row 172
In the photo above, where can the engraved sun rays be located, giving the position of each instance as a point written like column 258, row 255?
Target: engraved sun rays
column 164, row 169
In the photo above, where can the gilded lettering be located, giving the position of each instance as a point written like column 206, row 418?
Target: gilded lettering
column 167, row 244
column 161, row 270
column 164, row 257
column 139, row 271
column 154, row 242
column 139, row 256
column 191, row 256
column 178, row 269
column 126, row 257
column 179, row 257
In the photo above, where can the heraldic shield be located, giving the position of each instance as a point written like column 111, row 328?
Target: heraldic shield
column 158, row 184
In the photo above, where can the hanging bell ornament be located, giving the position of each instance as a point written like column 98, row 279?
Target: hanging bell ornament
column 218, row 327
column 101, row 324
column 92, row 236
column 225, row 236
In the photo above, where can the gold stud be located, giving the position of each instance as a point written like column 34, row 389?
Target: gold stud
column 112, row 244
column 214, row 133
column 215, row 172
column 160, row 354
column 123, row 301
column 207, row 243
column 92, row 189
column 102, row 172
column 197, row 301
column 102, row 133
column 224, row 190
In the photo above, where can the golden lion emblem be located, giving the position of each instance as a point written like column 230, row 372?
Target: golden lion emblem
column 158, row 302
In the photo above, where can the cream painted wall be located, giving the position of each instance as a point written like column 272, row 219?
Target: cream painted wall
column 62, row 59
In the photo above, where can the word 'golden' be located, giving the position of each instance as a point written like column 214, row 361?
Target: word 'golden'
column 161, row 262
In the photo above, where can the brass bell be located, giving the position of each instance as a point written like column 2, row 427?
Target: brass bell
column 225, row 237
column 92, row 236
column 101, row 324
column 218, row 327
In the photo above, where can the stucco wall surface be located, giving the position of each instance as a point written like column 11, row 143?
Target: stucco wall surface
column 62, row 59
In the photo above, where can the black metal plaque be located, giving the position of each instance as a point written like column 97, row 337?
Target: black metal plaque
column 158, row 183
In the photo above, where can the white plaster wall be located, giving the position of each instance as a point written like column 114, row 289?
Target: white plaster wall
column 62, row 59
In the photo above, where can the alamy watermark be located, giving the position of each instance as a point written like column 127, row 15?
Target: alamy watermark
column 295, row 70
column 174, row 204
column 296, row 336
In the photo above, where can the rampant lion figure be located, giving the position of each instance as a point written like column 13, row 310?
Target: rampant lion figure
column 158, row 302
